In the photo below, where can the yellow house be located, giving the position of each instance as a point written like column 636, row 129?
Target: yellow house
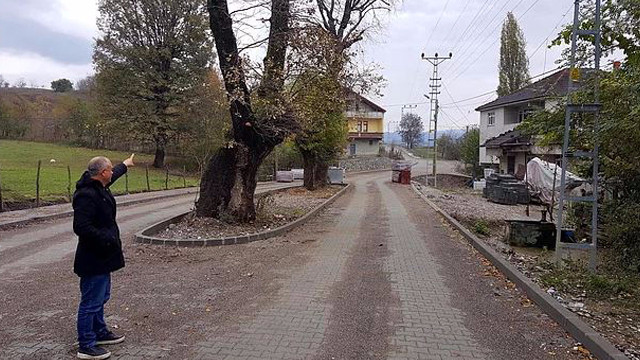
column 365, row 125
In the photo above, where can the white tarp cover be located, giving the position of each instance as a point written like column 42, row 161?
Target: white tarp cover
column 540, row 179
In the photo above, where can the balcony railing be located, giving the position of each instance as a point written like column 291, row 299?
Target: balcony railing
column 365, row 135
column 365, row 114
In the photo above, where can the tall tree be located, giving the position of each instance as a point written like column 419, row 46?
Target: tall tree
column 317, row 95
column 149, row 58
column 514, row 64
column 411, row 129
column 335, row 28
column 259, row 121
column 204, row 121
column 87, row 84
column 449, row 147
column 469, row 145
column 3, row 83
column 320, row 110
column 62, row 85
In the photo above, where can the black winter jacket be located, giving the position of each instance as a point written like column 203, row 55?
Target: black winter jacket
column 99, row 248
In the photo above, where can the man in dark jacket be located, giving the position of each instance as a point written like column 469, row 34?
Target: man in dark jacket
column 99, row 253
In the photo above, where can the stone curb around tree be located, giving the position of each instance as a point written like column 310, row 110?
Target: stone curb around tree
column 579, row 329
column 146, row 236
column 69, row 213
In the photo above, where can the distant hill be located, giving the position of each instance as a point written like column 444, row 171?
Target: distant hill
column 36, row 95
column 396, row 138
column 35, row 114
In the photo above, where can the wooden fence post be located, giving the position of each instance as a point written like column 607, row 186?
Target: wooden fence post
column 184, row 179
column 38, row 184
column 69, row 181
column 166, row 178
column 1, row 204
column 147, row 172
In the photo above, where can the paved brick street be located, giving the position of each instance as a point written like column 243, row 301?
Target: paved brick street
column 376, row 276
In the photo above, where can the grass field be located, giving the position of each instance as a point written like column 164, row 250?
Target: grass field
column 422, row 152
column 19, row 164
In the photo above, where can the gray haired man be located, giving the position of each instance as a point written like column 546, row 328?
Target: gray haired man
column 98, row 254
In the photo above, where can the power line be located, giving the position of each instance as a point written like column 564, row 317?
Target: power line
column 471, row 98
column 489, row 47
column 401, row 104
column 455, row 102
column 451, row 119
column 426, row 45
column 455, row 45
column 451, row 97
column 415, row 71
column 481, row 101
column 554, row 29
column 478, row 43
column 455, row 22
column 479, row 33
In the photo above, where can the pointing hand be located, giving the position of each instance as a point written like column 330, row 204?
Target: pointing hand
column 129, row 162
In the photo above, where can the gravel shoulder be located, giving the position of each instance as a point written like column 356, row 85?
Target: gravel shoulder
column 165, row 300
column 616, row 318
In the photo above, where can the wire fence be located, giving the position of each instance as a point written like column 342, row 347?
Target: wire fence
column 22, row 188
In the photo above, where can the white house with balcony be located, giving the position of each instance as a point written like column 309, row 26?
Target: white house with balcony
column 501, row 145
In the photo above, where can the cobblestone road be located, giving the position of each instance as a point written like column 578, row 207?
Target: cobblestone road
column 377, row 276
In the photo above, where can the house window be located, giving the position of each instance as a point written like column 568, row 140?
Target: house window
column 359, row 126
column 523, row 114
column 365, row 126
column 491, row 118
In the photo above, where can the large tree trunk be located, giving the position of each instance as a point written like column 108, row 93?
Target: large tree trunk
column 316, row 171
column 229, row 181
column 161, row 148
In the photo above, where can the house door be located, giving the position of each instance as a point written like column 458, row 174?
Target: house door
column 511, row 165
column 352, row 149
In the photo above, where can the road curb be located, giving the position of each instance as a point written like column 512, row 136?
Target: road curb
column 146, row 236
column 580, row 330
column 68, row 213
column 367, row 171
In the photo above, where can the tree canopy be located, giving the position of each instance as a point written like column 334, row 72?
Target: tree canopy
column 618, row 131
column 61, row 85
column 514, row 64
column 411, row 129
column 151, row 55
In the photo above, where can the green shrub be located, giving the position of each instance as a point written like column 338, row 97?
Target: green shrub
column 622, row 233
column 481, row 227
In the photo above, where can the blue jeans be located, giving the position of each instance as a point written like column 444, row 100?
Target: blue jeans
column 95, row 292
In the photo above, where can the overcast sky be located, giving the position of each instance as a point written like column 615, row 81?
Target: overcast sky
column 41, row 41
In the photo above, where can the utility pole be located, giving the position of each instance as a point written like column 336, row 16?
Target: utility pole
column 576, row 152
column 433, row 113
